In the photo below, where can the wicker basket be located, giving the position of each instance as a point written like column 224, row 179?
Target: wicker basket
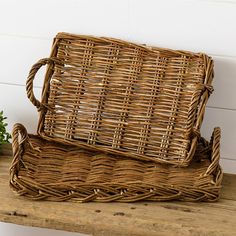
column 123, row 98
column 56, row 172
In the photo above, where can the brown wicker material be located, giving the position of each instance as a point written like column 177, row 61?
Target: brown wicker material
column 123, row 98
column 52, row 171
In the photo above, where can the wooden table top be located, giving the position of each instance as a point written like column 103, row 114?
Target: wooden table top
column 142, row 218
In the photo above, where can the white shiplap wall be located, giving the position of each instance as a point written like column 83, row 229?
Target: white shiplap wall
column 28, row 26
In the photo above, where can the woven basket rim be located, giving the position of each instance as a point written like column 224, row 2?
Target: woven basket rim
column 66, row 35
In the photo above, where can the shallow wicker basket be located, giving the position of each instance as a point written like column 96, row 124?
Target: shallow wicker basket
column 123, row 98
column 51, row 171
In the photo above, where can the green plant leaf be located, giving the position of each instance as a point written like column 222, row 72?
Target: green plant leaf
column 4, row 135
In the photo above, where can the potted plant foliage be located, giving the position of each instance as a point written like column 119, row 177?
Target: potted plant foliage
column 4, row 135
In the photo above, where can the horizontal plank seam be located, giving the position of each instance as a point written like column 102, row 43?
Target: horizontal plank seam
column 221, row 108
column 26, row 37
column 19, row 85
column 229, row 159
column 217, row 1
column 19, row 36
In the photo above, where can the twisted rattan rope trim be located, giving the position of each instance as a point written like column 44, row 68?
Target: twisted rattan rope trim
column 30, row 79
column 16, row 144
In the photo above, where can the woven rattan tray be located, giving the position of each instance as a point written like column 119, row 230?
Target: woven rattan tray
column 48, row 170
column 123, row 98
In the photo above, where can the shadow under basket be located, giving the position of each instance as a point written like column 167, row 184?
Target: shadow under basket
column 48, row 170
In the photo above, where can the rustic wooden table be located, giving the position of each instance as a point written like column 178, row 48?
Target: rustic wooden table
column 143, row 218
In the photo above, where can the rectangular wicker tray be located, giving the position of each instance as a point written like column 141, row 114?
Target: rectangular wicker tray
column 123, row 98
column 56, row 172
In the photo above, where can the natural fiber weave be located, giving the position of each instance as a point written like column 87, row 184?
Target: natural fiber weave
column 56, row 172
column 123, row 98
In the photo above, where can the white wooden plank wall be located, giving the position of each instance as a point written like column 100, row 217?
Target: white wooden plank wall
column 28, row 26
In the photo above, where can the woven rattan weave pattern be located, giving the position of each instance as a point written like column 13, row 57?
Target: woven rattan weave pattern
column 123, row 98
column 52, row 171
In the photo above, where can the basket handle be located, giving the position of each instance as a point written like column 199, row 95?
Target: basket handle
column 32, row 73
column 18, row 130
column 215, row 151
